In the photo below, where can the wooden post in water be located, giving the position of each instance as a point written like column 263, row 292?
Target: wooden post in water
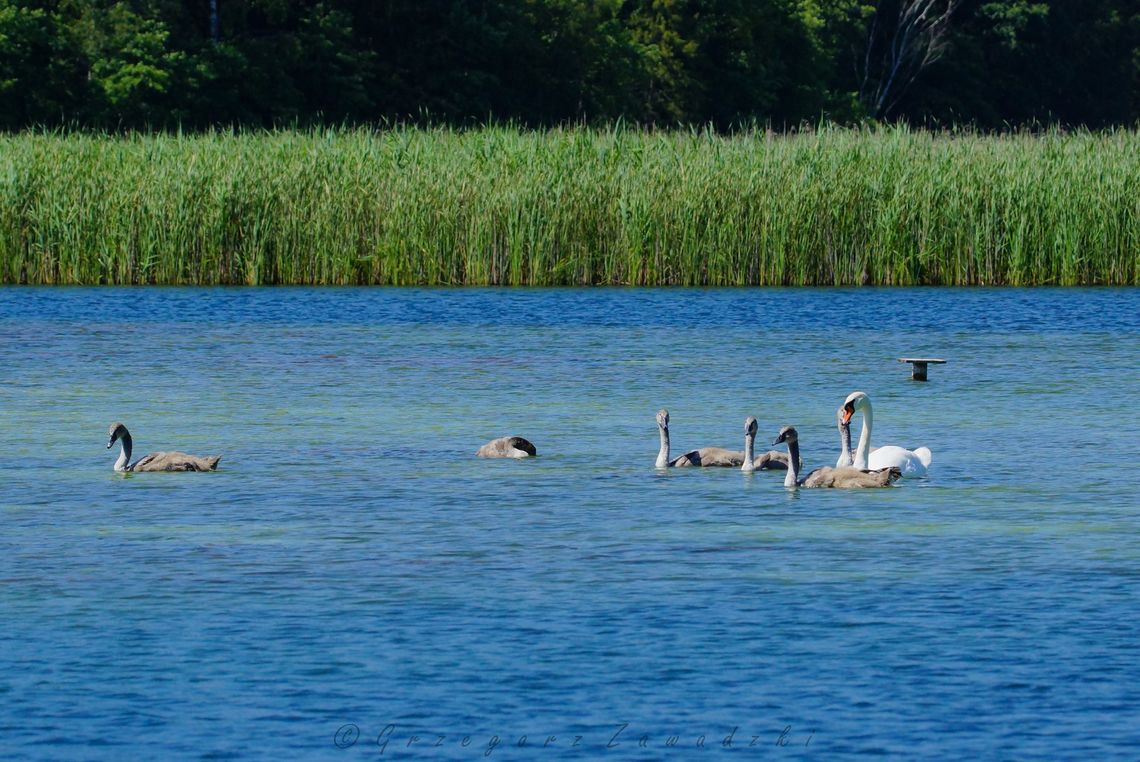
column 918, row 366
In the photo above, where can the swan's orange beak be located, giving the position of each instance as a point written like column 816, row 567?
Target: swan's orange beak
column 847, row 413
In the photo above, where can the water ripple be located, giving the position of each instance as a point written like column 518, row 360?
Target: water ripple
column 351, row 563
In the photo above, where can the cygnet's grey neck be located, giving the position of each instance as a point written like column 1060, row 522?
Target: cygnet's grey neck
column 845, row 458
column 749, row 440
column 791, row 479
column 124, row 452
column 663, row 454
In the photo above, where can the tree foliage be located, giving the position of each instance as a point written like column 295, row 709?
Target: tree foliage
column 157, row 63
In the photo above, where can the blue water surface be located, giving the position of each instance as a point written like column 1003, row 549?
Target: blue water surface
column 353, row 584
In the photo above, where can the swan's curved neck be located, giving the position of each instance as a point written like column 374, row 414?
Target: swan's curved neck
column 124, row 452
column 792, row 477
column 864, row 450
column 749, row 446
column 663, row 454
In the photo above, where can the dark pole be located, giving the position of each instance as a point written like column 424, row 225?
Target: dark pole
column 214, row 20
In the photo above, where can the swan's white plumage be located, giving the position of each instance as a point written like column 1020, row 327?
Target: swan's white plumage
column 910, row 462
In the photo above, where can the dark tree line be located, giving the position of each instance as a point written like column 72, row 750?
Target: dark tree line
column 197, row 63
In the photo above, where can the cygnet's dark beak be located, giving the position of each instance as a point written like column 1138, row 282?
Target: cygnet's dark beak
column 110, row 443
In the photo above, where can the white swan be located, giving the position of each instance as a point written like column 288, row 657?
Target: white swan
column 910, row 462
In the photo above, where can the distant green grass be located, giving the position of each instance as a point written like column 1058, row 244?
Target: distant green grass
column 567, row 207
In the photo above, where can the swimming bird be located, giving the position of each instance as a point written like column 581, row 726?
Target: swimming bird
column 771, row 460
column 507, row 447
column 911, row 462
column 156, row 461
column 843, row 478
column 845, row 459
column 704, row 457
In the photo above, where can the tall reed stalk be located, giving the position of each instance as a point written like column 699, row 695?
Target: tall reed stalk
column 571, row 207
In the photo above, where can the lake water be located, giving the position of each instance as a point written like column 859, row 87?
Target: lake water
column 352, row 577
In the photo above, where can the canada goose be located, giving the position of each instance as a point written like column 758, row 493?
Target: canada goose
column 706, row 456
column 770, row 460
column 910, row 462
column 156, row 461
column 506, row 447
column 846, row 478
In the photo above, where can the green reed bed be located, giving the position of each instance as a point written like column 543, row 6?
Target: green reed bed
column 567, row 207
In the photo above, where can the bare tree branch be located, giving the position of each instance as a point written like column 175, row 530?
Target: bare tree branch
column 896, row 54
